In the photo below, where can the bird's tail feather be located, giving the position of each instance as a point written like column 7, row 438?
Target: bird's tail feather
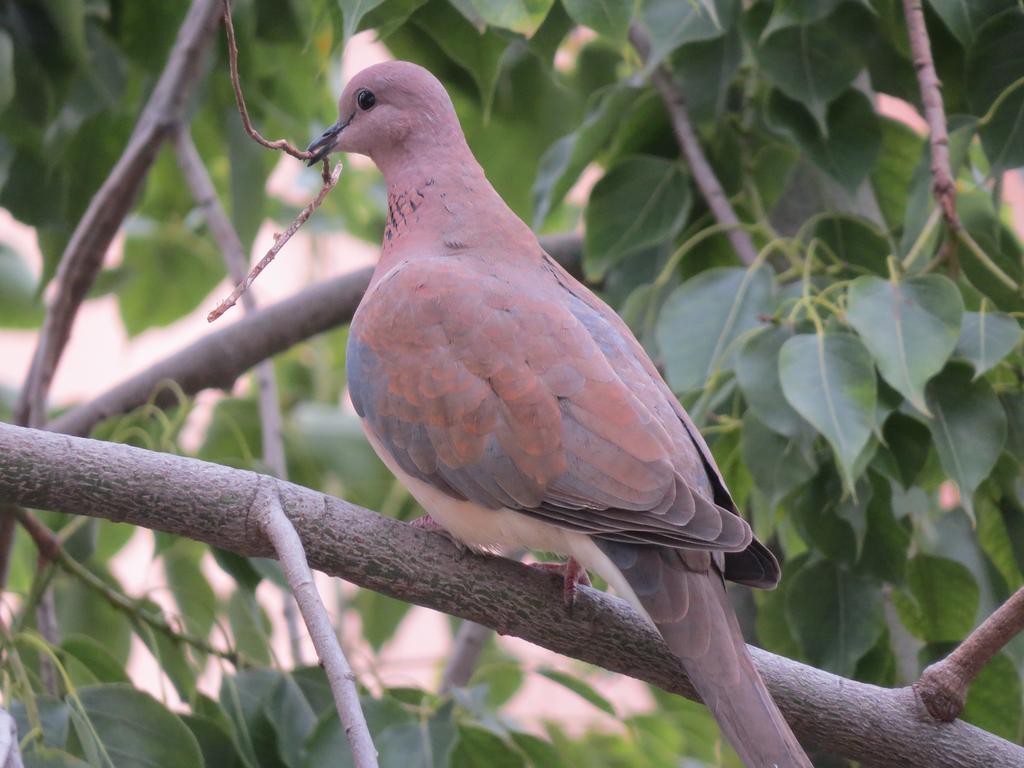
column 683, row 593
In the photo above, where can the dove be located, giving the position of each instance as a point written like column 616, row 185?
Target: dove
column 521, row 412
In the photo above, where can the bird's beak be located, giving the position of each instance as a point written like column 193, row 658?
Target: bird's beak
column 324, row 143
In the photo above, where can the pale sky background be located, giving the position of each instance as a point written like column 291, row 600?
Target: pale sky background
column 100, row 354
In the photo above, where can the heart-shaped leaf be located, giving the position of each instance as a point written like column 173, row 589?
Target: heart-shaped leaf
column 910, row 328
column 701, row 319
column 830, row 381
column 968, row 426
column 986, row 338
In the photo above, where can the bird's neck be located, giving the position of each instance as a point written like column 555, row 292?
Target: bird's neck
column 440, row 203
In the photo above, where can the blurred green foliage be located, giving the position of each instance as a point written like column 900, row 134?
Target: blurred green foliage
column 843, row 379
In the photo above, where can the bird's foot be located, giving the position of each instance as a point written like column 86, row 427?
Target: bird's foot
column 427, row 523
column 573, row 574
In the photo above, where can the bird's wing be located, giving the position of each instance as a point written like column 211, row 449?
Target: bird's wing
column 506, row 396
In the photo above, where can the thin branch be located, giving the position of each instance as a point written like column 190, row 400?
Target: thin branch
column 278, row 529
column 220, row 357
column 703, row 174
column 83, row 256
column 943, row 686
column 282, row 144
column 943, row 185
column 207, row 502
column 279, row 242
column 465, row 655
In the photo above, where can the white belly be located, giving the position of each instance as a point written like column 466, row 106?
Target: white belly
column 505, row 530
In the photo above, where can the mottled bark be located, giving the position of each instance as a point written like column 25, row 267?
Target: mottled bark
column 212, row 503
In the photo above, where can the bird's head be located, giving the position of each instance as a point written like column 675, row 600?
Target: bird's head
column 388, row 109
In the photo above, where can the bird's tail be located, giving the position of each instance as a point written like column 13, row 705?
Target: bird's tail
column 683, row 593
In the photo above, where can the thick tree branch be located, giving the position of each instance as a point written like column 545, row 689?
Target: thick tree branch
column 220, row 357
column 943, row 686
column 276, row 526
column 207, row 502
column 703, row 174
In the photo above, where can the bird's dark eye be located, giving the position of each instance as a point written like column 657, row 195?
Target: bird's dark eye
column 365, row 99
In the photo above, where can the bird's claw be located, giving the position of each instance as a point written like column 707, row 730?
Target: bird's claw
column 573, row 574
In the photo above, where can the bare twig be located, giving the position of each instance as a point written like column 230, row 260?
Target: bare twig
column 278, row 529
column 279, row 242
column 943, row 185
column 282, row 144
column 224, row 233
column 943, row 686
column 469, row 644
column 703, row 174
column 93, row 234
column 873, row 725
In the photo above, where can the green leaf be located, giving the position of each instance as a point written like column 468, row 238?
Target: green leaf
column 968, row 427
column 964, row 19
column 995, row 67
column 893, row 172
column 941, row 600
column 47, row 757
column 352, row 12
column 81, row 610
column 418, row 745
column 994, row 698
column 6, row 69
column 830, row 381
column 856, row 242
column 564, row 161
column 249, row 626
column 640, row 202
column 168, row 273
column 848, row 143
column 215, row 742
column 778, row 464
column 704, row 70
column 815, row 63
column 233, row 436
column 995, row 541
column 19, row 303
column 670, row 24
column 133, row 728
column 580, row 688
column 986, row 338
column 97, row 659
column 480, row 748
column 522, row 16
column 540, row 753
column 909, row 441
column 702, row 319
column 606, row 17
column 757, row 371
column 909, row 327
column 479, row 53
column 835, row 615
column 787, row 13
column 291, row 717
column 381, row 616
column 192, row 592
